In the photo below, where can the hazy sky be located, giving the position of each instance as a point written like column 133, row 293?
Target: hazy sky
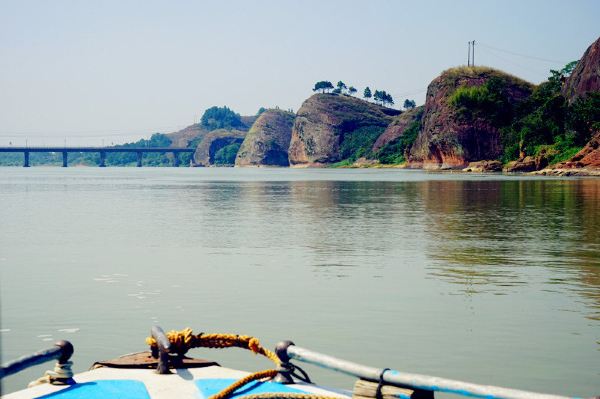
column 119, row 70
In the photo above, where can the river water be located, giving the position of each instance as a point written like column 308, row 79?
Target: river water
column 485, row 278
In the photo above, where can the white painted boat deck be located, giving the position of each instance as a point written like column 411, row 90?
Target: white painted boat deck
column 180, row 384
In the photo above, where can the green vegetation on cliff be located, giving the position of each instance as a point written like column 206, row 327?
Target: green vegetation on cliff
column 547, row 124
column 489, row 100
column 358, row 143
column 394, row 152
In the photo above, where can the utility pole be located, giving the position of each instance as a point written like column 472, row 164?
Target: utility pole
column 473, row 63
column 469, row 54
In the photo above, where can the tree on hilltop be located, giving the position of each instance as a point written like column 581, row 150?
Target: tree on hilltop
column 388, row 98
column 220, row 118
column 352, row 90
column 409, row 104
column 341, row 86
column 378, row 96
column 367, row 93
column 323, row 85
column 381, row 96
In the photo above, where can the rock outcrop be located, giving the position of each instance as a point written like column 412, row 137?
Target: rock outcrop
column 586, row 161
column 525, row 164
column 585, row 78
column 484, row 166
column 449, row 138
column 398, row 126
column 324, row 121
column 183, row 137
column 212, row 142
column 268, row 140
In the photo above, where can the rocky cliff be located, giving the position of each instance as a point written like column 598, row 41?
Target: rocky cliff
column 398, row 126
column 325, row 122
column 585, row 78
column 212, row 142
column 463, row 110
column 268, row 140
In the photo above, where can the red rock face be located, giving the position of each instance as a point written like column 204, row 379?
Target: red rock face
column 451, row 141
column 586, row 75
column 588, row 157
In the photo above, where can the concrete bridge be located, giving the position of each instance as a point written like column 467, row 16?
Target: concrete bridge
column 101, row 150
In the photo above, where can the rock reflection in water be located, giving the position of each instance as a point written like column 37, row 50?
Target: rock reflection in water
column 490, row 235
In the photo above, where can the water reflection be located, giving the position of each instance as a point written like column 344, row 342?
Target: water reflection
column 489, row 236
column 411, row 264
column 495, row 237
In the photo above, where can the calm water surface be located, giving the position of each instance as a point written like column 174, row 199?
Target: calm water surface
column 489, row 279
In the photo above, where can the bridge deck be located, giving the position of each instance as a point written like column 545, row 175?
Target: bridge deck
column 97, row 149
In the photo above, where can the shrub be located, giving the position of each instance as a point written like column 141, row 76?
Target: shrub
column 226, row 155
column 359, row 142
column 220, row 118
column 393, row 153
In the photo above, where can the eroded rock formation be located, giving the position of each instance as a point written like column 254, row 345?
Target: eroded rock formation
column 268, row 140
column 325, row 120
column 212, row 142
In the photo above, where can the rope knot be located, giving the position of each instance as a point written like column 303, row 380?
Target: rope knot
column 254, row 345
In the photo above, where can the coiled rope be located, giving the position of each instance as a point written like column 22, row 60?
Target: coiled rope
column 184, row 340
column 61, row 375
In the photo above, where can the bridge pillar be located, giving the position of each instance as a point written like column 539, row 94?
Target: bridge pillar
column 102, row 163
column 65, row 159
column 175, row 159
column 139, row 159
column 26, row 159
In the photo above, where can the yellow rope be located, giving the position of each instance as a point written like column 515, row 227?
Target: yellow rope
column 280, row 395
column 184, row 340
column 240, row 383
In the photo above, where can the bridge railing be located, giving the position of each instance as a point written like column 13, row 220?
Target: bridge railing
column 101, row 150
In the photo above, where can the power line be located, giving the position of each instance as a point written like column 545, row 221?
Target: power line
column 531, row 70
column 83, row 134
column 522, row 55
column 411, row 93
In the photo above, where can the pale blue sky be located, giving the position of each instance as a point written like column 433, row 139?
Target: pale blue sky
column 123, row 69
